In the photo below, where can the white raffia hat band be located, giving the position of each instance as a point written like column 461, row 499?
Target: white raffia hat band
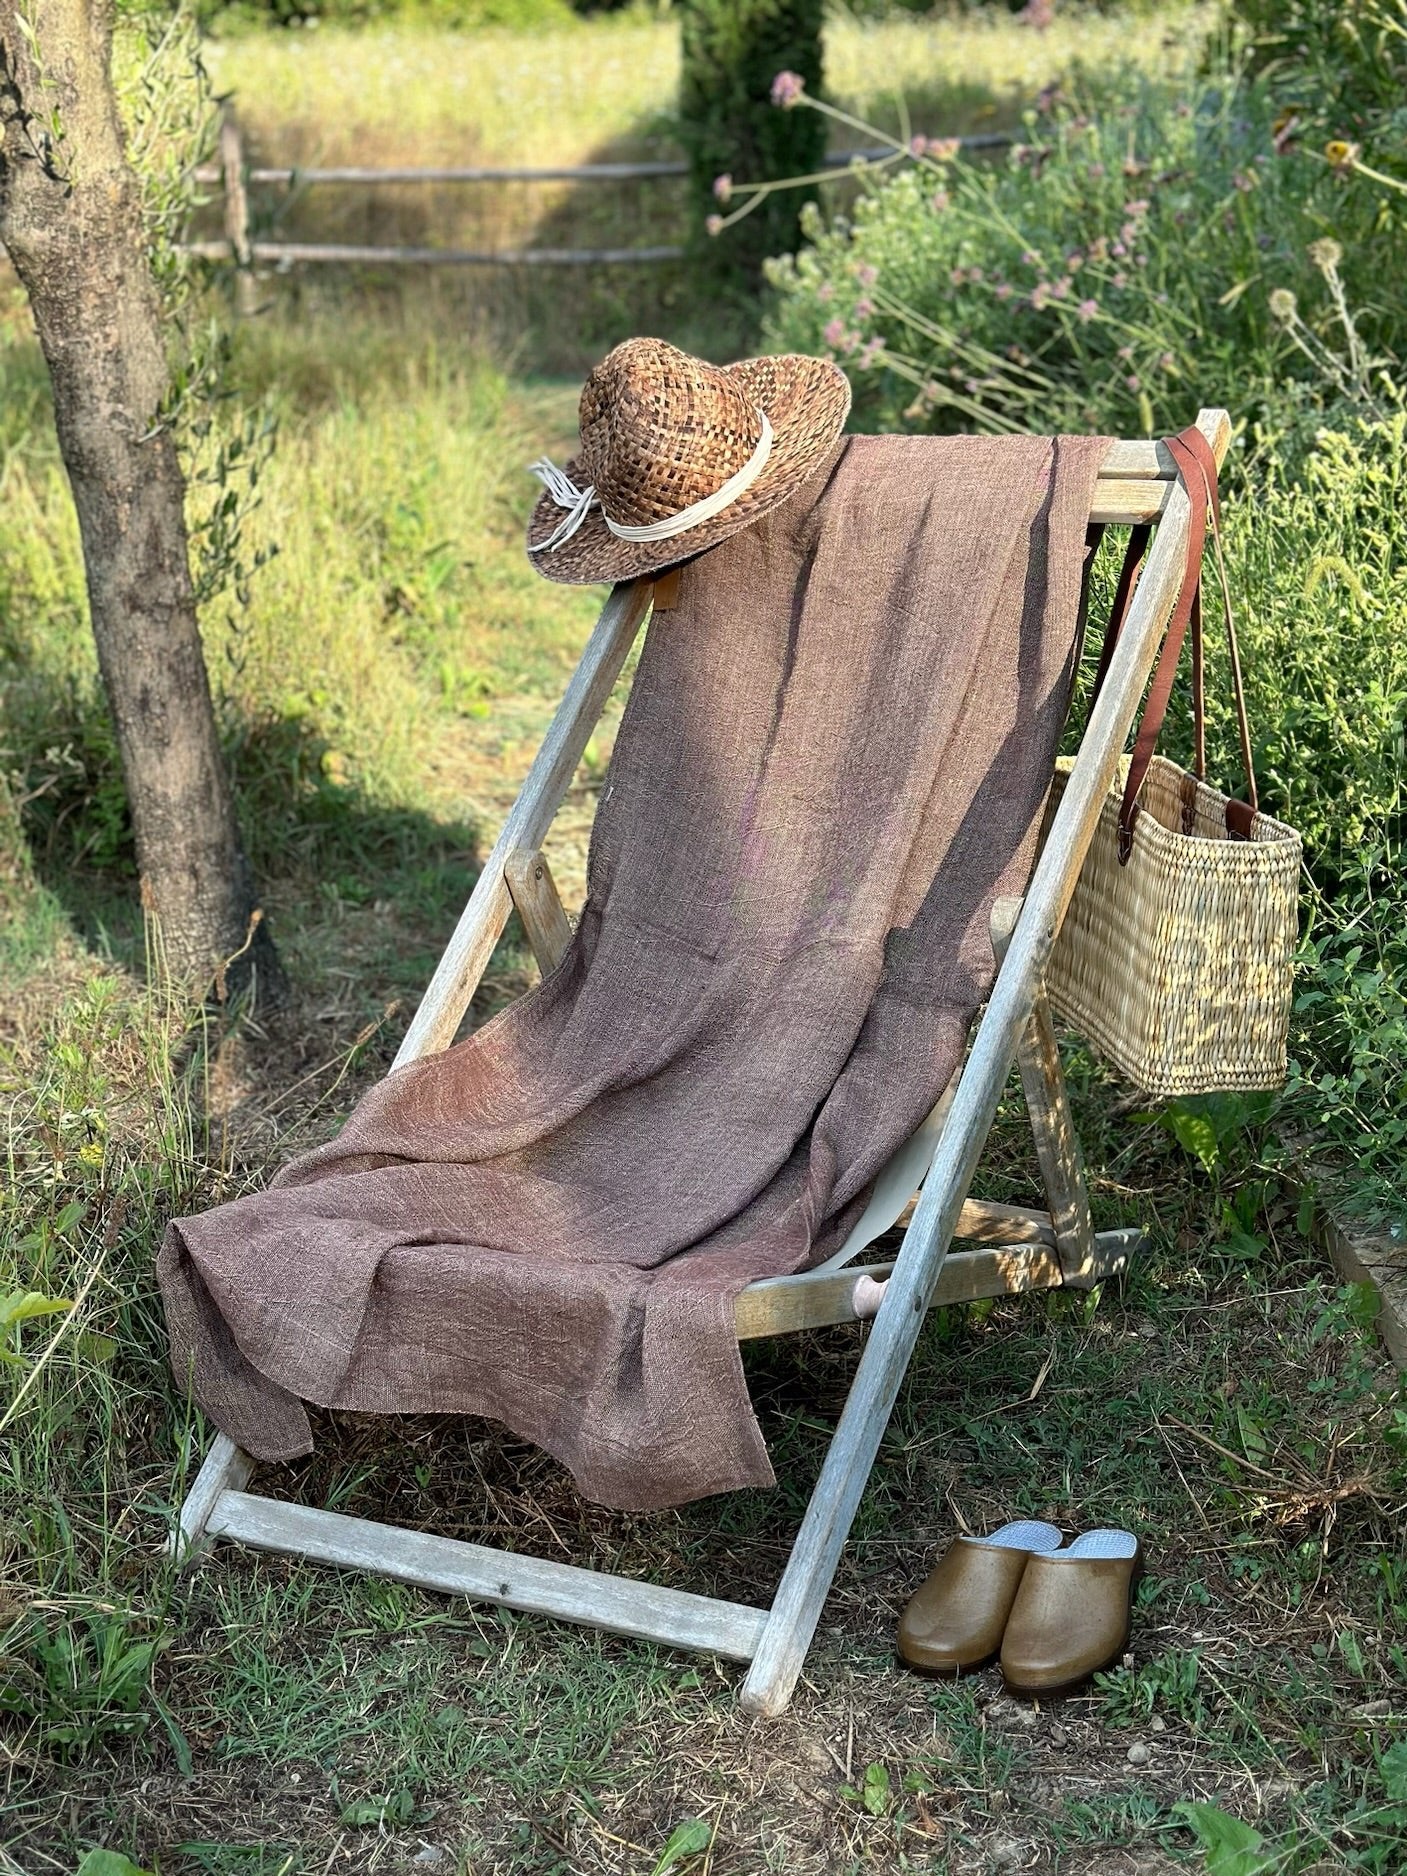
column 579, row 502
column 676, row 455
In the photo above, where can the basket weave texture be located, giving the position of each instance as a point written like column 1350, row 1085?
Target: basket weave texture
column 1177, row 967
column 660, row 430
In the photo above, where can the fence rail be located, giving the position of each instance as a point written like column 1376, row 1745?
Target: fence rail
column 289, row 252
column 236, row 178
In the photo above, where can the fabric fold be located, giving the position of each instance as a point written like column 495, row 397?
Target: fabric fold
column 834, row 758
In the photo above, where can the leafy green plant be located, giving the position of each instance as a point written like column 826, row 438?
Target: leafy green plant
column 873, row 1793
column 1338, row 69
column 397, row 1807
column 1230, row 1847
column 1131, row 253
column 1170, row 1683
column 686, row 1840
column 109, row 1863
column 24, row 1306
column 85, row 1680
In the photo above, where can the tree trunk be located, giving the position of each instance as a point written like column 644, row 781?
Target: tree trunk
column 70, row 216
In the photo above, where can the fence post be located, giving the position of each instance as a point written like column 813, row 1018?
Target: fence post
column 237, row 213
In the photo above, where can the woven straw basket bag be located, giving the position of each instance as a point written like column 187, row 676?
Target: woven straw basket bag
column 1175, row 959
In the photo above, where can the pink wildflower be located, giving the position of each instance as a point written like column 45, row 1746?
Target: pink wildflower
column 944, row 149
column 714, row 225
column 1134, row 382
column 1118, row 250
column 1096, row 170
column 1060, row 289
column 1030, row 259
column 1167, row 362
column 866, row 274
column 974, row 273
column 1129, row 231
column 787, row 89
column 1125, row 352
column 863, row 308
column 1120, row 280
column 1242, row 182
column 939, row 200
column 918, row 146
column 1136, row 208
column 1037, row 14
column 722, row 188
column 834, row 333
column 870, row 353
column 1074, row 261
column 1003, row 290
column 826, row 291
column 1040, row 296
column 958, row 277
column 1087, row 310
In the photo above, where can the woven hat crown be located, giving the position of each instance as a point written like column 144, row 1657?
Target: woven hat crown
column 661, row 430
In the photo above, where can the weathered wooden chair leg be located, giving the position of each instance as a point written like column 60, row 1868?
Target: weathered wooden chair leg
column 1053, row 1125
column 226, row 1469
column 539, row 906
column 1057, row 1143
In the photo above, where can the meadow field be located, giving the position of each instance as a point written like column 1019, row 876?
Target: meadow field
column 381, row 693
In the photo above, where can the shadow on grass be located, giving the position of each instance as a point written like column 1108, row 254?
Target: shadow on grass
column 354, row 887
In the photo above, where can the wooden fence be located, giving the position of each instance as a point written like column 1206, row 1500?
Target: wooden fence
column 235, row 177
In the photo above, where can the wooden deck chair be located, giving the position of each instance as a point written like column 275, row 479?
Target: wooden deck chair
column 1014, row 1249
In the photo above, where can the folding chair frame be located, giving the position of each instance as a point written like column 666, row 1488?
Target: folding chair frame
column 1018, row 1249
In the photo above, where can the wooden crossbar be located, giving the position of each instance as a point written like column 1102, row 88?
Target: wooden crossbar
column 1038, row 1249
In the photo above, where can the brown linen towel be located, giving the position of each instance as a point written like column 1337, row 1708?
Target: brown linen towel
column 833, row 759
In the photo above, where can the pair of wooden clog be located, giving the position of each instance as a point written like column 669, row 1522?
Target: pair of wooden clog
column 1054, row 1613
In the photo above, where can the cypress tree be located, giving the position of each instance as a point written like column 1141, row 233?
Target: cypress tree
column 732, row 51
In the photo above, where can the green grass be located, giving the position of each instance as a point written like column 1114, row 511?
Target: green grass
column 1227, row 1403
column 406, row 93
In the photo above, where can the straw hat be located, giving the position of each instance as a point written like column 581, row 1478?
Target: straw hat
column 676, row 455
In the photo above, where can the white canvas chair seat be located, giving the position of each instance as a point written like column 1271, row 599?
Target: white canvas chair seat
column 1006, row 1249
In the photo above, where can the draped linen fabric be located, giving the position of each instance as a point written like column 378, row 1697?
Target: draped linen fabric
column 834, row 757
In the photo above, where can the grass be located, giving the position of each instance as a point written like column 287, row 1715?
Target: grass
column 381, row 697
column 405, row 93
column 413, row 95
column 1228, row 1404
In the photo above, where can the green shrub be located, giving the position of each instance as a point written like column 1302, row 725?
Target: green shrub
column 1338, row 70
column 1319, row 566
column 1131, row 262
column 1123, row 266
column 732, row 51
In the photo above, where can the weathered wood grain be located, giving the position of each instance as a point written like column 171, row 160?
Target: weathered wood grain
column 620, row 1605
column 539, row 906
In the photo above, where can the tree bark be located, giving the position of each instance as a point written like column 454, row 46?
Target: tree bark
column 71, row 218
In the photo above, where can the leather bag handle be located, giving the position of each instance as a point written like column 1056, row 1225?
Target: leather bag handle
column 1197, row 471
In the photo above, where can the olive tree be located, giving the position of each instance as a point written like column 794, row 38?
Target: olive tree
column 71, row 220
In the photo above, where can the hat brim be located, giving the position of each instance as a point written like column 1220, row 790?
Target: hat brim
column 806, row 401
